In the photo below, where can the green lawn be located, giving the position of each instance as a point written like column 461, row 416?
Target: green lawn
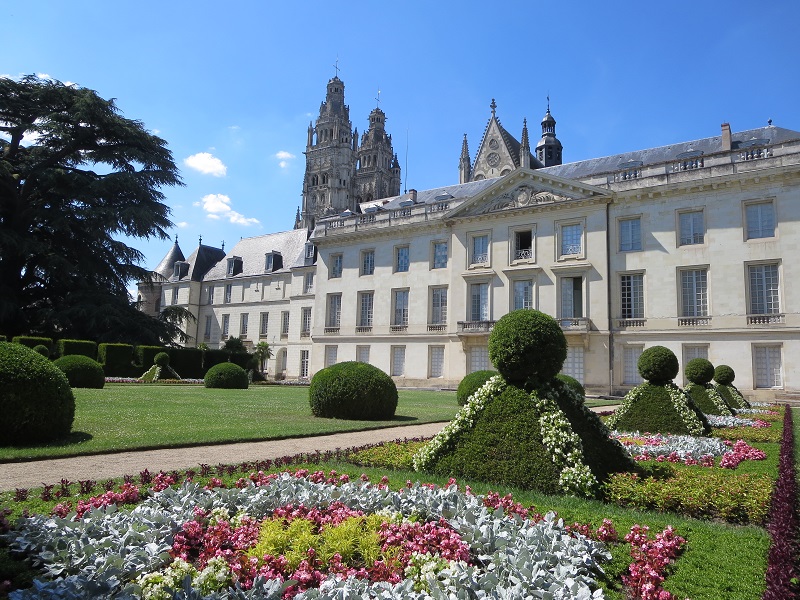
column 125, row 417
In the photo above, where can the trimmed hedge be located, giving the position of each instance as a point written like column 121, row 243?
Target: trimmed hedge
column 353, row 390
column 188, row 362
column 32, row 342
column 700, row 371
column 36, row 401
column 658, row 365
column 146, row 354
column 724, row 375
column 215, row 357
column 75, row 347
column 117, row 360
column 40, row 349
column 471, row 383
column 82, row 371
column 654, row 412
column 227, row 376
column 527, row 346
column 242, row 359
column 3, row 338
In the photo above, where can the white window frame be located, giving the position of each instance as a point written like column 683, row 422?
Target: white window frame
column 753, row 212
column 331, row 355
column 402, row 258
column 480, row 290
column 630, row 234
column 174, row 295
column 285, row 323
column 207, row 332
column 308, row 283
column 337, row 266
column 333, row 310
column 210, row 294
column 763, row 289
column 367, row 262
column 366, row 308
column 228, row 293
column 226, row 326
column 435, row 259
column 438, row 305
column 566, row 297
column 517, row 254
column 575, row 363
column 478, row 359
column 436, row 356
column 767, row 366
column 688, row 223
column 521, row 301
column 400, row 305
column 398, row 357
column 362, row 354
column 304, row 364
column 630, row 361
column 263, row 325
column 305, row 320
column 482, row 258
column 565, row 239
column 631, row 296
column 243, row 322
column 693, row 301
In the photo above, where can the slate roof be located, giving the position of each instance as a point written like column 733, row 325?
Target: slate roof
column 460, row 191
column 291, row 244
column 167, row 264
column 661, row 154
column 202, row 260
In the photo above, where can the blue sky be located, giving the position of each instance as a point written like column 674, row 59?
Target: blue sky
column 232, row 86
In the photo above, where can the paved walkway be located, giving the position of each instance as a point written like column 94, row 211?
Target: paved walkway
column 99, row 467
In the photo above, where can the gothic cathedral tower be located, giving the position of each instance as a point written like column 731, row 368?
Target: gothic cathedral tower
column 339, row 173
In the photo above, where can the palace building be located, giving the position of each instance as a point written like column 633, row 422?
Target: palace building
column 688, row 246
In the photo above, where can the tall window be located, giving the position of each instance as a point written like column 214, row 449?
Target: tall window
column 764, row 290
column 398, row 361
column 366, row 302
column 400, row 307
column 767, row 361
column 523, row 294
column 362, row 354
column 228, row 293
column 630, row 235
column 263, row 324
column 479, row 301
column 436, row 361
column 305, row 321
column 573, row 366
column 308, row 282
column 571, row 239
column 691, row 228
column 572, row 297
column 438, row 306
column 401, row 259
column 760, row 220
column 207, row 332
column 174, row 295
column 226, row 326
column 440, row 255
column 630, row 368
column 336, row 266
column 694, row 293
column 210, row 295
column 331, row 353
column 632, row 296
column 334, row 310
column 480, row 250
column 303, row 363
column 284, row 323
column 523, row 245
column 479, row 359
column 368, row 262
column 243, row 318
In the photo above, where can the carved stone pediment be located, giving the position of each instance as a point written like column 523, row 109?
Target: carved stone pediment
column 519, row 197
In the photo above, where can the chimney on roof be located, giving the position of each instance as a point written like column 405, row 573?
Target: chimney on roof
column 412, row 194
column 726, row 137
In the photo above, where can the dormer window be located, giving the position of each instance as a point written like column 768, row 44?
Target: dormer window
column 180, row 269
column 630, row 170
column 310, row 250
column 273, row 261
column 687, row 161
column 234, row 266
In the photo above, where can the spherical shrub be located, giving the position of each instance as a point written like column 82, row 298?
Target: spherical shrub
column 226, row 376
column 527, row 346
column 353, row 390
column 573, row 384
column 658, row 365
column 724, row 375
column 161, row 359
column 81, row 371
column 36, row 401
column 699, row 371
column 43, row 350
column 471, row 383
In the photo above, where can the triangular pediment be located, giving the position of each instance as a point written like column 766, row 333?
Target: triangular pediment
column 525, row 188
column 498, row 152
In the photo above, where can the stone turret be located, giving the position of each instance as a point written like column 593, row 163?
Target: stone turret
column 549, row 149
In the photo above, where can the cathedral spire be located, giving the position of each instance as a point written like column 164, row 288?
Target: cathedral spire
column 525, row 147
column 493, row 106
column 464, row 165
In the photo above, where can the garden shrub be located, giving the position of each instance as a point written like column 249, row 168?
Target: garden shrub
column 527, row 347
column 227, row 376
column 160, row 369
column 573, row 384
column 36, row 401
column 43, row 350
column 471, row 383
column 3, row 338
column 724, row 376
column 240, row 358
column 651, row 407
column 658, row 365
column 146, row 354
column 187, row 361
column 699, row 370
column 161, row 359
column 32, row 342
column 353, row 390
column 117, row 360
column 81, row 371
column 75, row 347
column 708, row 400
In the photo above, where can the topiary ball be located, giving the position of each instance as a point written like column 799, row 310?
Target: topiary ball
column 43, row 350
column 472, row 383
column 724, row 375
column 227, row 376
column 81, row 371
column 658, row 365
column 527, row 346
column 353, row 390
column 161, row 359
column 573, row 384
column 699, row 371
column 36, row 401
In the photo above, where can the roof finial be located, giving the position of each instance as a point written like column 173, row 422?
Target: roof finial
column 493, row 106
column 176, row 238
column 379, row 98
column 223, row 245
column 769, row 122
column 548, row 101
column 336, row 66
column 200, row 241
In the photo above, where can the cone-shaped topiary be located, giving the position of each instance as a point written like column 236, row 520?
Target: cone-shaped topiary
column 527, row 347
column 353, row 390
column 160, row 369
column 724, row 376
column 226, row 376
column 81, row 371
column 658, row 405
column 699, row 371
column 471, row 383
column 534, row 432
column 36, row 401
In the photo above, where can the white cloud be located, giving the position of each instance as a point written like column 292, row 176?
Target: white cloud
column 283, row 158
column 182, row 224
column 206, row 163
column 218, row 206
